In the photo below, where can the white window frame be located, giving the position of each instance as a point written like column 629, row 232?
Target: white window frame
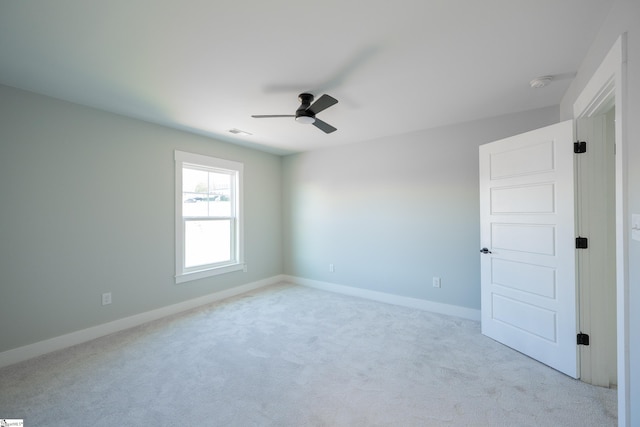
column 199, row 161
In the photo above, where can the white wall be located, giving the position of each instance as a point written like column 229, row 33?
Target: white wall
column 624, row 17
column 87, row 206
column 392, row 213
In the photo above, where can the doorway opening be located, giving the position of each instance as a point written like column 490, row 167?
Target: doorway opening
column 596, row 264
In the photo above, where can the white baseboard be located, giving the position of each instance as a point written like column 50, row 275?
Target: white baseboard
column 30, row 351
column 436, row 307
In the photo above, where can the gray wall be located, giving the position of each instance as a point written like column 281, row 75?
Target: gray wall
column 624, row 17
column 392, row 213
column 87, row 206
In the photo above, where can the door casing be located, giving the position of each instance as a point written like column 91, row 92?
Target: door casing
column 607, row 88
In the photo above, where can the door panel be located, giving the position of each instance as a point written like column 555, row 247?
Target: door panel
column 523, row 199
column 527, row 222
column 527, row 238
column 535, row 279
column 529, row 318
column 524, row 160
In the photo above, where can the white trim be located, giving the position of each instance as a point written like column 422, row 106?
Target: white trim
column 600, row 88
column 183, row 274
column 201, row 274
column 30, row 351
column 199, row 159
column 607, row 88
column 435, row 307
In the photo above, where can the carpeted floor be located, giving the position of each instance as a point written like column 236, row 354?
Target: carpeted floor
column 294, row 356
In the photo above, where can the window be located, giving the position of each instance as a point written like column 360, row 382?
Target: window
column 208, row 216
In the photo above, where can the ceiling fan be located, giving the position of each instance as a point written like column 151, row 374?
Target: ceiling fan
column 306, row 113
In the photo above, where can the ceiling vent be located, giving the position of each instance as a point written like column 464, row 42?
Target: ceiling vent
column 540, row 82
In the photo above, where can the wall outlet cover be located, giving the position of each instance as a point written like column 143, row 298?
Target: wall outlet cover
column 635, row 226
column 106, row 298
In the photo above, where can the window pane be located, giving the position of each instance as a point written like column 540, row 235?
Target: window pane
column 194, row 204
column 195, row 190
column 206, row 193
column 195, row 181
column 219, row 194
column 207, row 242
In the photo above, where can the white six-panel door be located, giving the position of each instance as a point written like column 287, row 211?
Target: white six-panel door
column 527, row 227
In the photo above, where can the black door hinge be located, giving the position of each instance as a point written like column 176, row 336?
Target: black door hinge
column 580, row 147
column 583, row 339
column 582, row 243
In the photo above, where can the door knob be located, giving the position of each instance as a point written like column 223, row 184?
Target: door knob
column 485, row 251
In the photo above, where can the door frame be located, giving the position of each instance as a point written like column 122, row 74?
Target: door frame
column 607, row 88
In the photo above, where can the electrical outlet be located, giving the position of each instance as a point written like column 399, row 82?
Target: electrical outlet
column 244, row 268
column 436, row 282
column 331, row 268
column 106, row 298
column 635, row 226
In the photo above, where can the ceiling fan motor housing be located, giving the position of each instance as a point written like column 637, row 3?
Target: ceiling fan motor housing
column 303, row 115
column 305, row 99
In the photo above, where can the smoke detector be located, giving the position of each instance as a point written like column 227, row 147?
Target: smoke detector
column 539, row 82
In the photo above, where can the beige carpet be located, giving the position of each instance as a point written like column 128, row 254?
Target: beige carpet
column 294, row 356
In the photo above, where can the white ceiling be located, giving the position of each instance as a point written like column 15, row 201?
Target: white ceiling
column 208, row 65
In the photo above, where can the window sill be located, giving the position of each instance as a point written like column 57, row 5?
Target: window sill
column 201, row 274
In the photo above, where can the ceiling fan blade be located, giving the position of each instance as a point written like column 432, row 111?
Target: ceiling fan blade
column 324, row 102
column 324, row 126
column 271, row 115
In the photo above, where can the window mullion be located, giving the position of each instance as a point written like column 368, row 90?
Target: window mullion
column 207, row 218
